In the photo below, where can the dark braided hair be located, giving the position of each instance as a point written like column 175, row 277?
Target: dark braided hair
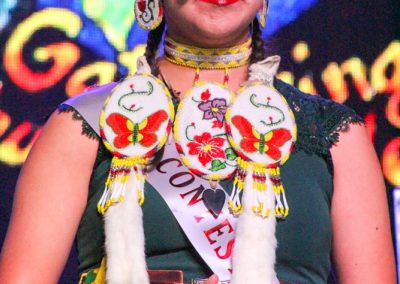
column 259, row 50
column 153, row 41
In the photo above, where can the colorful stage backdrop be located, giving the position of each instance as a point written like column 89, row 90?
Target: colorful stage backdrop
column 51, row 50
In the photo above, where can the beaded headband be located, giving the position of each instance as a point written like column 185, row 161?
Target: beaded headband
column 207, row 58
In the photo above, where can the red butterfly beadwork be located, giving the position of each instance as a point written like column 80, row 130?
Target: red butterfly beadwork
column 129, row 132
column 254, row 141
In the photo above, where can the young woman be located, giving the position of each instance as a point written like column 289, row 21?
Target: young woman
column 333, row 181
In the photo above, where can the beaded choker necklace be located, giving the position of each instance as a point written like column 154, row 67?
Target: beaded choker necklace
column 207, row 58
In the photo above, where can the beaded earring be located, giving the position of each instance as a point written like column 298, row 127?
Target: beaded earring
column 149, row 13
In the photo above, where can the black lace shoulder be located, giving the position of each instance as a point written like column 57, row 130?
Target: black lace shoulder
column 319, row 120
column 87, row 130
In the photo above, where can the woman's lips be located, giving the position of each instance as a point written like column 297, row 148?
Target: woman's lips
column 221, row 2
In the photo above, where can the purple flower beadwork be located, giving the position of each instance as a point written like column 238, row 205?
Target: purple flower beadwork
column 214, row 109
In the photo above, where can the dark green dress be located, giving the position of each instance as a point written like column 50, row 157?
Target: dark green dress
column 304, row 238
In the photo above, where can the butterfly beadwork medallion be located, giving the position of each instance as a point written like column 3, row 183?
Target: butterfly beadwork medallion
column 262, row 130
column 261, row 125
column 132, row 125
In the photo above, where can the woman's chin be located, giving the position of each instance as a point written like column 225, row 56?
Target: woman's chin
column 210, row 23
column 211, row 38
column 210, row 33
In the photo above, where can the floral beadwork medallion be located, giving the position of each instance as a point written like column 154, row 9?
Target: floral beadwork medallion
column 132, row 125
column 261, row 125
column 200, row 134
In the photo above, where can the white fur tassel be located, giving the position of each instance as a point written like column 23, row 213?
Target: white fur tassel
column 253, row 259
column 126, row 261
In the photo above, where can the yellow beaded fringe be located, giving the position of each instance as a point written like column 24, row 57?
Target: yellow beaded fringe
column 260, row 198
column 122, row 169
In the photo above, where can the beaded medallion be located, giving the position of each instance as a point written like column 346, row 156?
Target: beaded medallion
column 262, row 130
column 199, row 131
column 133, row 128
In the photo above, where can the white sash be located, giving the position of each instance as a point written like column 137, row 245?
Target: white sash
column 213, row 238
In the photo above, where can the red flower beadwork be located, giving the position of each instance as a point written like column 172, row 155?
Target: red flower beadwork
column 205, row 95
column 206, row 147
column 217, row 124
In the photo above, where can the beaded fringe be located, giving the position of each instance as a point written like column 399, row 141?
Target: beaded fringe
column 263, row 179
column 121, row 170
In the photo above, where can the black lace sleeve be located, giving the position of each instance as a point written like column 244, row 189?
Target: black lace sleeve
column 87, row 130
column 336, row 118
column 319, row 121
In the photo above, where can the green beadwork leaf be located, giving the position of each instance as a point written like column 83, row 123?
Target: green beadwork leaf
column 90, row 277
column 217, row 165
column 230, row 154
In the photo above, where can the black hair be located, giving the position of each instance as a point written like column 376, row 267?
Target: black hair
column 257, row 43
column 153, row 41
